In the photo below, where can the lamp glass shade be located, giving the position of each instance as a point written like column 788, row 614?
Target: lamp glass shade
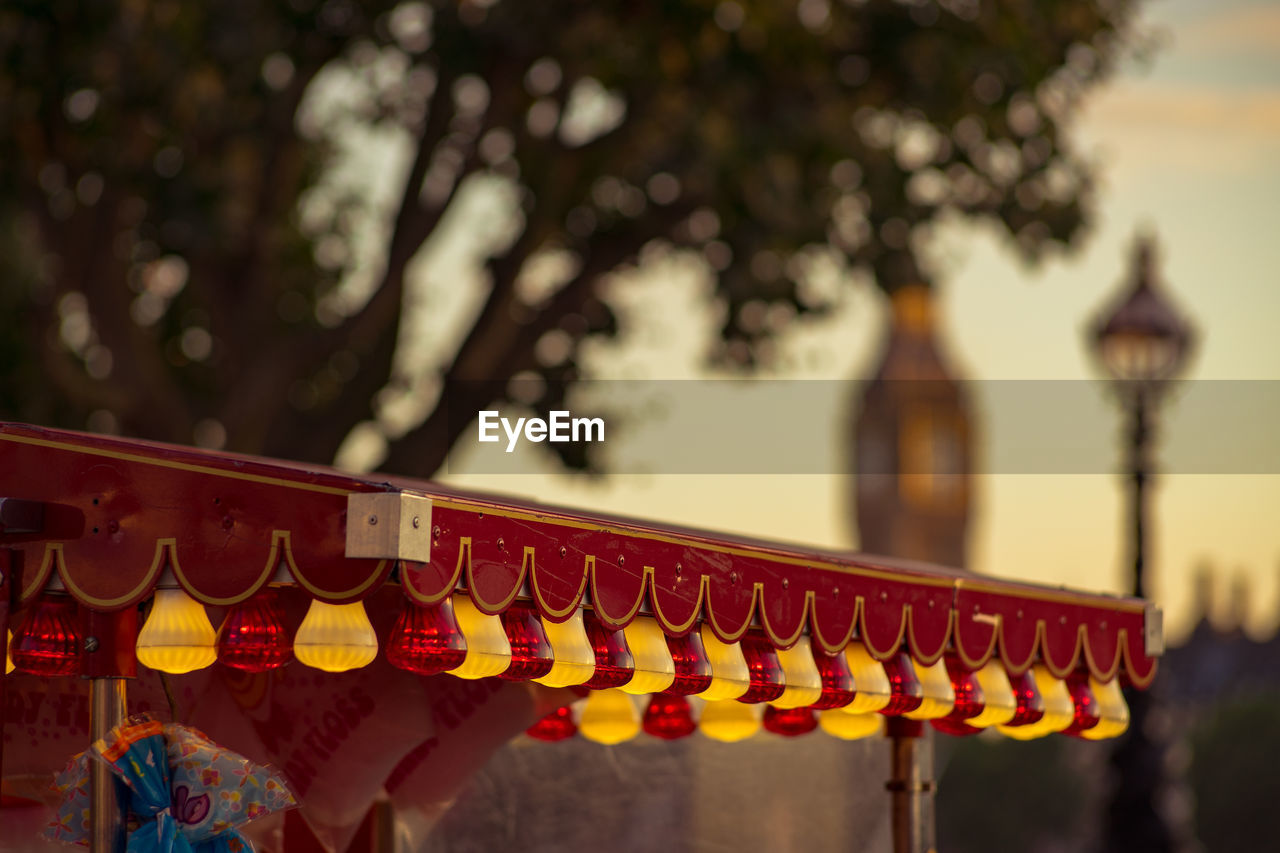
column 47, row 640
column 177, row 636
column 789, row 722
column 693, row 669
column 869, row 679
column 531, row 655
column 488, row 650
column 668, row 716
column 729, row 721
column 1087, row 715
column 1059, row 710
column 968, row 703
column 609, row 717
column 426, row 639
column 655, row 671
column 1135, row 357
column 335, row 637
column 939, row 696
column 730, row 677
column 766, row 672
column 906, row 692
column 998, row 702
column 614, row 665
column 575, row 660
column 838, row 687
column 801, row 677
column 841, row 724
column 1029, row 704
column 253, row 636
column 556, row 726
column 1113, row 711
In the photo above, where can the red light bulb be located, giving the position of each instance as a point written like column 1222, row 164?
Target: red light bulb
column 668, row 717
column 1030, row 707
column 766, row 673
column 47, row 641
column 614, row 664
column 838, row 687
column 253, row 636
column 531, row 655
column 425, row 638
column 790, row 722
column 905, row 692
column 693, row 668
column 558, row 725
column 1087, row 713
column 969, row 700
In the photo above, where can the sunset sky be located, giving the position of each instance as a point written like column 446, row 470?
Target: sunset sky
column 1187, row 146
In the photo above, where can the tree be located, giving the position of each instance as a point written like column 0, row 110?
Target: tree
column 183, row 264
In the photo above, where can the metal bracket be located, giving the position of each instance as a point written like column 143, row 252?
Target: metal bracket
column 389, row 526
column 1153, row 630
column 21, row 516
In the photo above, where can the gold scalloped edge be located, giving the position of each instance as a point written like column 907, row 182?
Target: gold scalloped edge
column 703, row 611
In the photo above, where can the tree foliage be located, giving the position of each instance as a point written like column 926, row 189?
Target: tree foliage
column 182, row 263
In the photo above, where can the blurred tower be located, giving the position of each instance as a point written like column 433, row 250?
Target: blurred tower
column 911, row 443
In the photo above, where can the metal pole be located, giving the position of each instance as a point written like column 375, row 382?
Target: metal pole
column 1134, row 820
column 1139, row 471
column 106, row 805
column 902, row 781
column 907, row 790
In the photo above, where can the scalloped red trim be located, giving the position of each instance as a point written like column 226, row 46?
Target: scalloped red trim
column 226, row 524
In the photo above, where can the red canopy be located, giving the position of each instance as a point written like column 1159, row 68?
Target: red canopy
column 224, row 523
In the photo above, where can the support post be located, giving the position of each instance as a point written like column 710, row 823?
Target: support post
column 106, row 805
column 911, row 813
column 108, row 660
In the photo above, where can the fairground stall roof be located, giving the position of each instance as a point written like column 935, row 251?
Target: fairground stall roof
column 496, row 587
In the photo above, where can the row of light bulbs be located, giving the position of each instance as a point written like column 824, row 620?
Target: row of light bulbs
column 612, row 716
column 800, row 686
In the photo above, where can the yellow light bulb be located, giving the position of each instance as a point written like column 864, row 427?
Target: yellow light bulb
column 335, row 637
column 488, row 649
column 999, row 703
column 177, row 636
column 800, row 675
column 869, row 680
column 8, row 661
column 845, row 726
column 609, row 717
column 1059, row 710
column 730, row 677
column 939, row 695
column 575, row 660
column 729, row 720
column 1113, row 711
column 655, row 670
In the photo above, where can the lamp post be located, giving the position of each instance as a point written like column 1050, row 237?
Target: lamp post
column 1142, row 344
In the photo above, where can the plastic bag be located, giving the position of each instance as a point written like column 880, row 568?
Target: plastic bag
column 185, row 793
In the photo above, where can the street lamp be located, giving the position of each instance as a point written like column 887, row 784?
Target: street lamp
column 1143, row 344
